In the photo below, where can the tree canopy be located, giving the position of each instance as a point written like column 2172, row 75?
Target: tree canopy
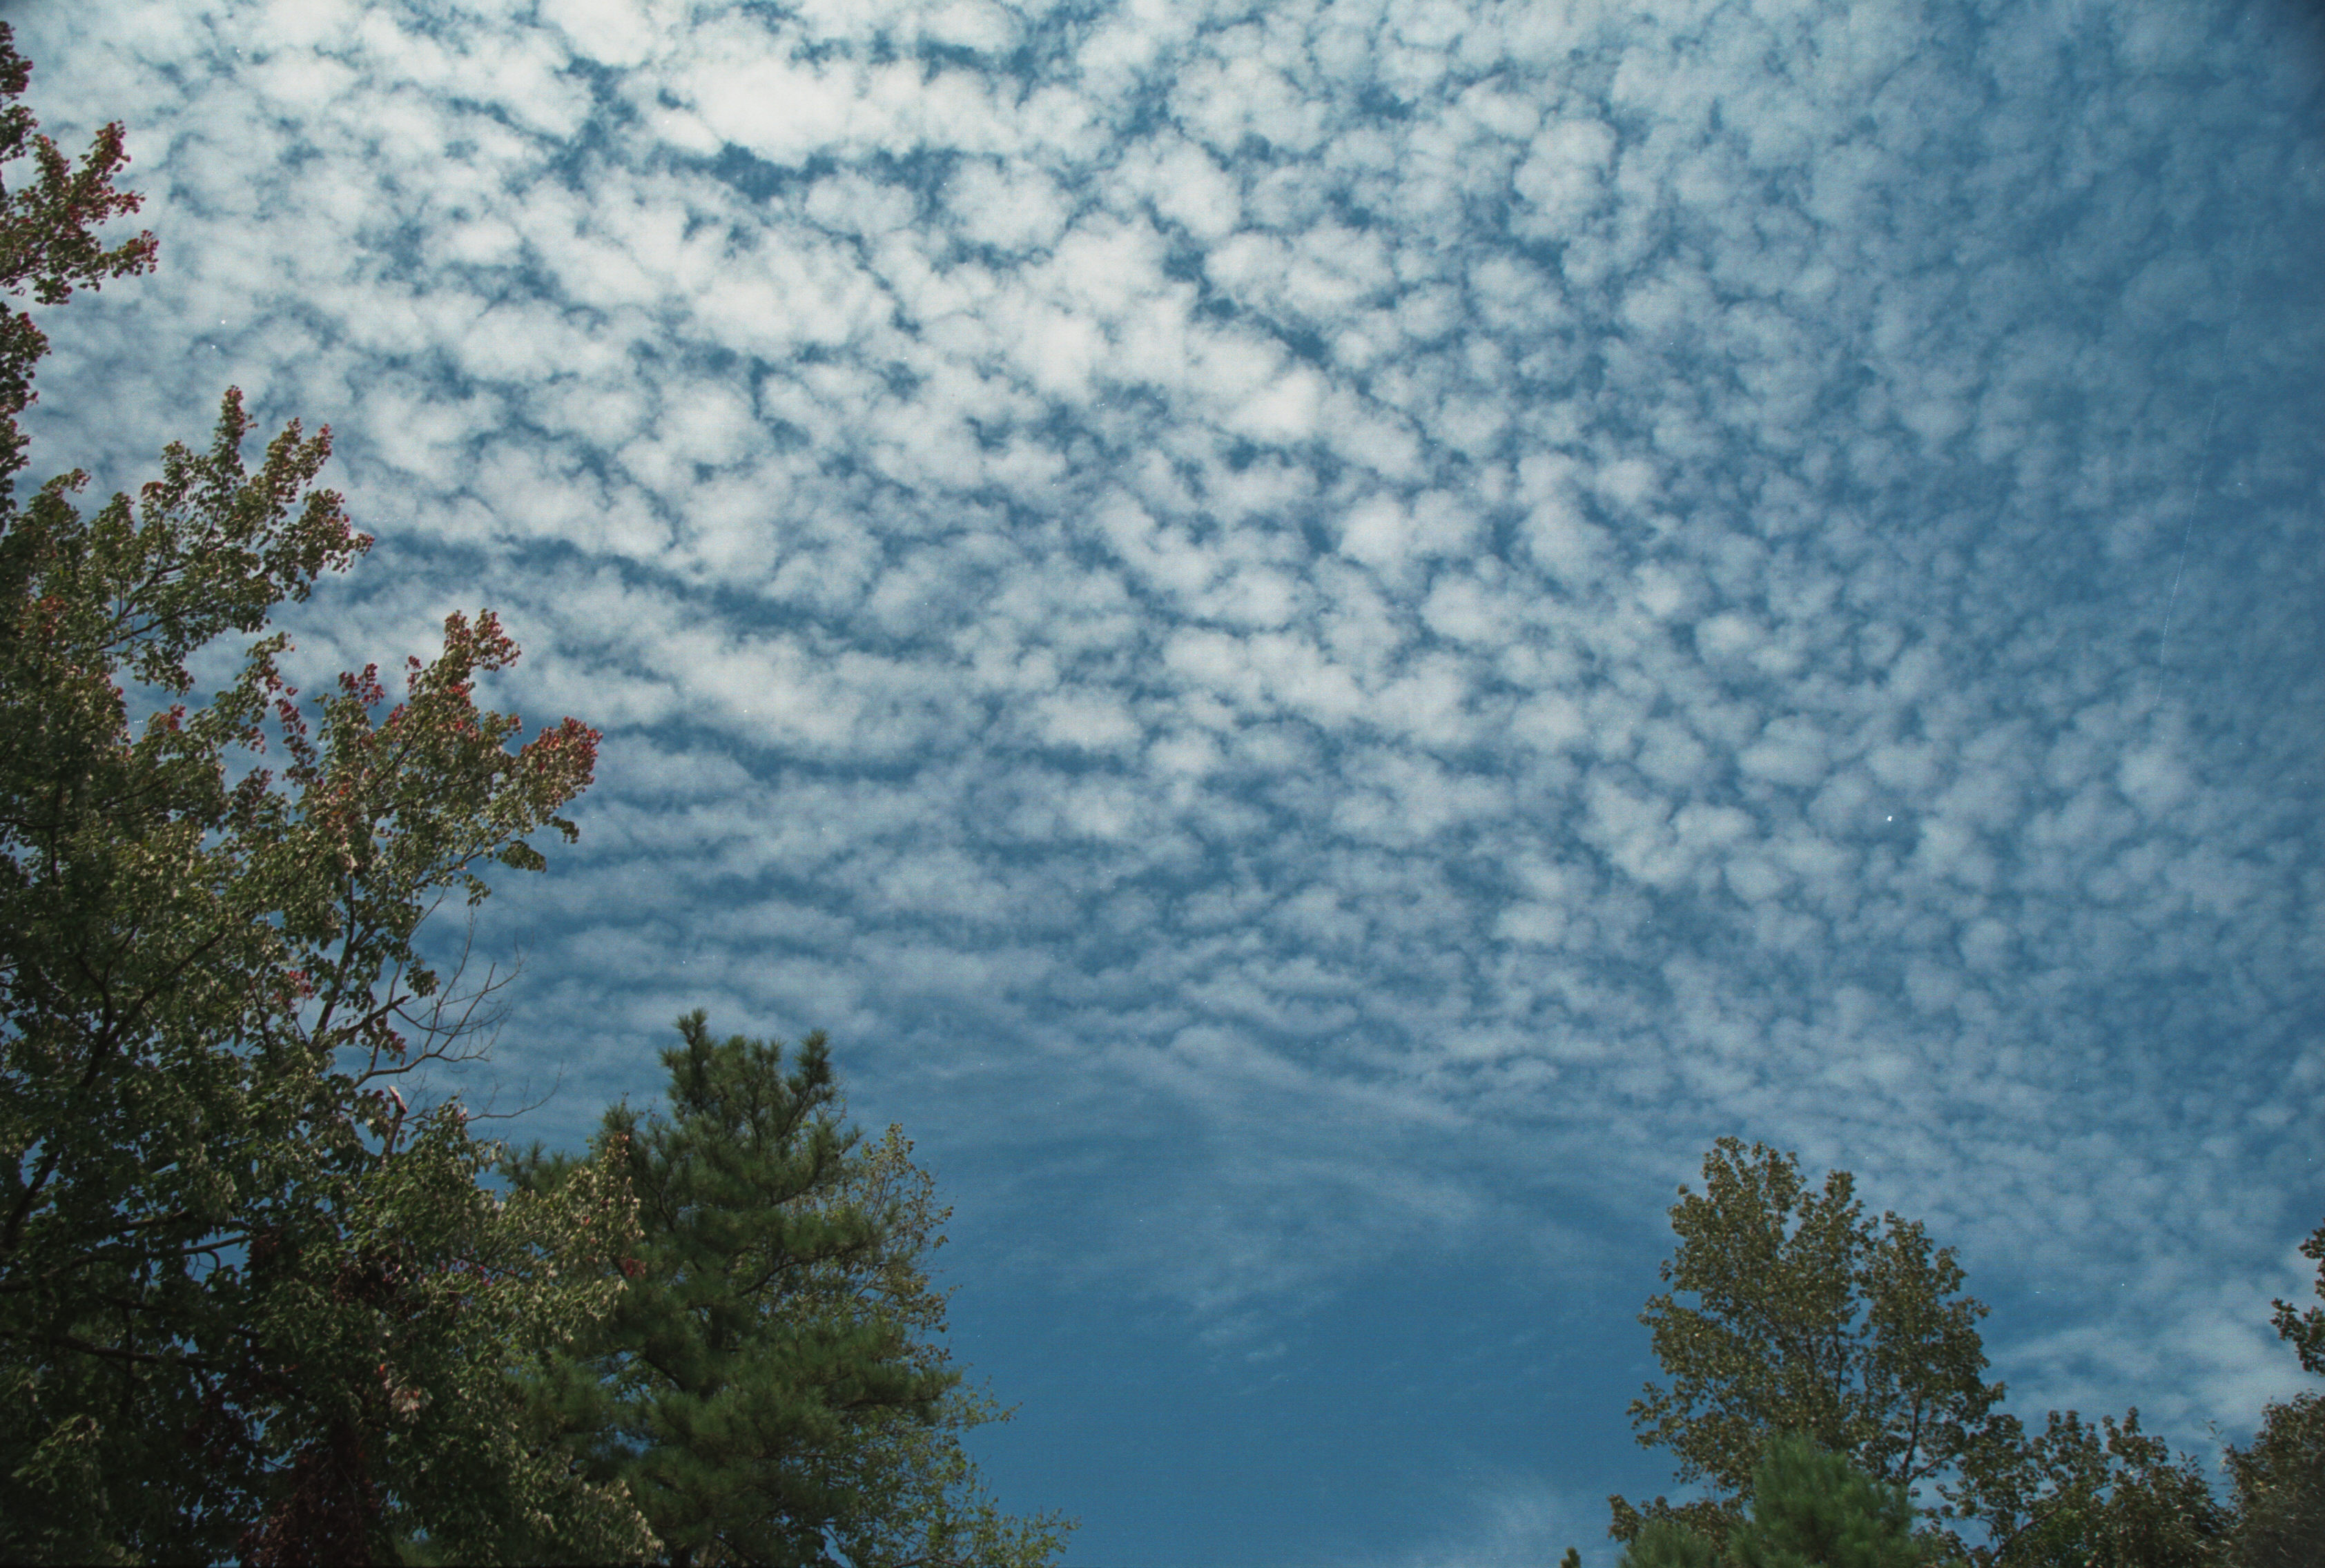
column 1811, row 1508
column 249, row 1304
column 1814, row 1322
column 1776, row 1343
column 253, row 1302
column 2280, row 1480
column 769, row 1386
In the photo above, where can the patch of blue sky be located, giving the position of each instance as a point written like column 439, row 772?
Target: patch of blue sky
column 1327, row 637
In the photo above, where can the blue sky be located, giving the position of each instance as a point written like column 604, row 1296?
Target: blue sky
column 1326, row 637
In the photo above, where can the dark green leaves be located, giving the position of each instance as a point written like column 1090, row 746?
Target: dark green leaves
column 248, row 1306
column 769, row 1384
column 2280, row 1486
column 1811, row 1508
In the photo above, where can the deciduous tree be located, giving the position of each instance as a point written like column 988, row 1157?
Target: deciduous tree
column 2305, row 1330
column 1850, row 1335
column 247, row 1305
column 2280, row 1480
column 2079, row 1496
column 1665, row 1542
column 2280, row 1488
column 1776, row 1343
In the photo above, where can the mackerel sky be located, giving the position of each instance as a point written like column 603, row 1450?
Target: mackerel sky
column 1328, row 635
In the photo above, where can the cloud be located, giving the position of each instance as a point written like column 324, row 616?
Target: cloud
column 1488, row 569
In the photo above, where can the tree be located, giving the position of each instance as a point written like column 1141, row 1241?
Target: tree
column 2085, row 1496
column 2305, row 1331
column 1811, row 1508
column 248, row 1304
column 48, row 241
column 1776, row 1345
column 1664, row 1542
column 2280, row 1488
column 2280, row 1480
column 767, row 1386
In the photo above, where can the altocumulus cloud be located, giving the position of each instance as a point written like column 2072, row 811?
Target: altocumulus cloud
column 1340, row 631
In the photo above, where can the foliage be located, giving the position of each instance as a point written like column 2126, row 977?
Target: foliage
column 1811, row 1509
column 2084, row 1496
column 247, row 1305
column 2279, row 1489
column 1665, row 1542
column 768, row 1386
column 2306, row 1330
column 47, row 241
column 2280, row 1480
column 1776, row 1345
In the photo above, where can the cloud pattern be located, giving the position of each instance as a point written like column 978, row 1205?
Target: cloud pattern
column 1329, row 632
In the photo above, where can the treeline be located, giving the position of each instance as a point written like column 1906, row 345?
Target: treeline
column 1828, row 1368
column 254, row 1304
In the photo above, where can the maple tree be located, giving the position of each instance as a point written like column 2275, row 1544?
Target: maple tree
column 249, row 1304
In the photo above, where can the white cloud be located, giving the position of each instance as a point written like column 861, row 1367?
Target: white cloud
column 1754, row 494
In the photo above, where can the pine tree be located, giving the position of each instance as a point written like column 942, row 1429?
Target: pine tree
column 1811, row 1509
column 766, row 1387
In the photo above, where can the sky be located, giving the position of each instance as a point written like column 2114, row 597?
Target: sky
column 1326, row 637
